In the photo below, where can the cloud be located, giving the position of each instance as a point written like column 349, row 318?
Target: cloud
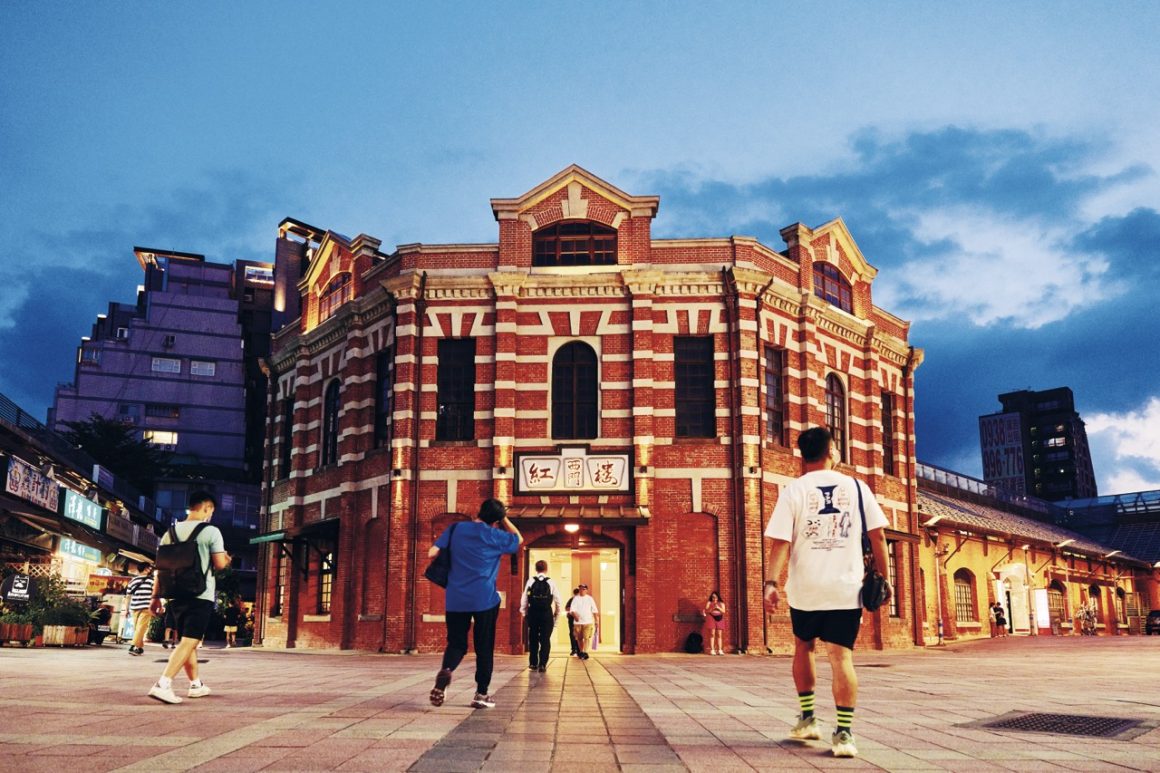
column 1132, row 439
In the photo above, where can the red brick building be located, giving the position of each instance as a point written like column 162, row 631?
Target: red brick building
column 635, row 401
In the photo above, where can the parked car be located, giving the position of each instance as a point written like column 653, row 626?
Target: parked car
column 1152, row 624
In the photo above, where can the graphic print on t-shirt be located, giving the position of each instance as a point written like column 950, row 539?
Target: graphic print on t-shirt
column 828, row 518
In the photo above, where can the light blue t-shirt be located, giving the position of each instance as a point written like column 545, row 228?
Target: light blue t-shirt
column 475, row 556
column 209, row 541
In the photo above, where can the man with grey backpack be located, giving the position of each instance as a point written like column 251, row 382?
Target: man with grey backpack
column 540, row 606
column 188, row 554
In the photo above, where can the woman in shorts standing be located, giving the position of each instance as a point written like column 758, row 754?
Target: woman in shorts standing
column 715, row 618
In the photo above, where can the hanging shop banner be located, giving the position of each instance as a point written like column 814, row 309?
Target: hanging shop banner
column 104, row 584
column 573, row 471
column 81, row 509
column 27, row 482
column 121, row 528
column 70, row 547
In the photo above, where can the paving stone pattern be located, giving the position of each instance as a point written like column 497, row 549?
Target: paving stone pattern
column 86, row 710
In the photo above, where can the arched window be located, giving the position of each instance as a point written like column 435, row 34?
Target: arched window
column 335, row 294
column 574, row 244
column 574, row 379
column 832, row 287
column 330, row 424
column 836, row 413
column 1056, row 606
column 1095, row 600
column 1121, row 606
column 965, row 611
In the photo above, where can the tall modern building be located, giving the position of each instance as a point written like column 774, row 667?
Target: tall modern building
column 183, row 366
column 1037, row 446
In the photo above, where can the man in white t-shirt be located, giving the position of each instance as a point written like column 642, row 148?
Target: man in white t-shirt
column 817, row 526
column 586, row 616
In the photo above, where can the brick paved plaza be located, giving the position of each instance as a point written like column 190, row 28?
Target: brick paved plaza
column 86, row 710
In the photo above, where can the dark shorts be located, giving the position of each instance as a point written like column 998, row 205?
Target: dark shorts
column 837, row 626
column 191, row 618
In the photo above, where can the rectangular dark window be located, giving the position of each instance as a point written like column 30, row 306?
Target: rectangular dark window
column 456, row 390
column 384, row 395
column 695, row 399
column 889, row 449
column 775, row 394
column 326, row 571
column 162, row 411
column 287, row 444
column 892, row 570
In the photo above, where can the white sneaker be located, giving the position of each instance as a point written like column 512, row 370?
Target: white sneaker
column 806, row 730
column 482, row 701
column 842, row 742
column 164, row 694
column 198, row 692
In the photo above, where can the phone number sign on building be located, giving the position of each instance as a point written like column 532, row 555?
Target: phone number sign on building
column 1001, row 440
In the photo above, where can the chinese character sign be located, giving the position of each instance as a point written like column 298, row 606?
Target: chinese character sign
column 573, row 472
column 26, row 482
column 73, row 549
column 82, row 509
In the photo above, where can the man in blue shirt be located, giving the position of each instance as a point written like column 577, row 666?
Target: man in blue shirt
column 471, row 594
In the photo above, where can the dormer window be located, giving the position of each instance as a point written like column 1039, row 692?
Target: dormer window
column 832, row 287
column 335, row 294
column 574, row 244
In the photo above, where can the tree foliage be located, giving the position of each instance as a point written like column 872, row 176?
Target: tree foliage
column 114, row 444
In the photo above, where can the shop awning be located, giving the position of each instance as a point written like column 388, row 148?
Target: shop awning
column 135, row 556
column 273, row 536
column 618, row 514
column 323, row 528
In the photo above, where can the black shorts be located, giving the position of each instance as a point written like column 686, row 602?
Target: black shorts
column 836, row 626
column 191, row 618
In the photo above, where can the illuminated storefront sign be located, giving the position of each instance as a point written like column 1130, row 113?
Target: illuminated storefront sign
column 73, row 549
column 26, row 482
column 572, row 471
column 81, row 509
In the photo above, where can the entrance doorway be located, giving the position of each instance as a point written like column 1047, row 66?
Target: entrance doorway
column 599, row 569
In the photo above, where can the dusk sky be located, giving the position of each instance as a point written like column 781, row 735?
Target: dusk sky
column 997, row 162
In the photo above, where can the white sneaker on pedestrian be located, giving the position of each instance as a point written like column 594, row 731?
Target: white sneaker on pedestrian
column 198, row 692
column 842, row 742
column 164, row 694
column 482, row 701
column 806, row 729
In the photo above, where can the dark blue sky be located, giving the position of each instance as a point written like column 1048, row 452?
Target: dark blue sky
column 997, row 164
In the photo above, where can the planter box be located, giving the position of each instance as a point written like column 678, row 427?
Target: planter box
column 16, row 632
column 65, row 636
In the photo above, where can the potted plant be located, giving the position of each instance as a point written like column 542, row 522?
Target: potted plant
column 65, row 624
column 16, row 626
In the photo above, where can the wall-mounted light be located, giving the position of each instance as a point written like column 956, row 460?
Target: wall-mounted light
column 933, row 521
column 1065, row 542
column 1114, row 552
column 1026, row 547
column 571, row 528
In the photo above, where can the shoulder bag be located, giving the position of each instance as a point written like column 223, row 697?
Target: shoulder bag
column 439, row 570
column 873, row 584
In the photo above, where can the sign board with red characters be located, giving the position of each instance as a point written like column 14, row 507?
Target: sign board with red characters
column 573, row 471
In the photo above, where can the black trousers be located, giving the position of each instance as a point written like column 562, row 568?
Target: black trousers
column 482, row 639
column 539, row 637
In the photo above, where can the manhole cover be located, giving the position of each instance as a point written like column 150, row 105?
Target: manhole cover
column 1066, row 724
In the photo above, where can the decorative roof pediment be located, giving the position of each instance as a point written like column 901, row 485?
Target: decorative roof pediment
column 841, row 239
column 334, row 254
column 573, row 178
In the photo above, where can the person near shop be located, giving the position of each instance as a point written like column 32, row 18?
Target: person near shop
column 714, row 613
column 540, row 606
column 587, row 619
column 1000, row 618
column 191, row 616
column 234, row 615
column 572, row 624
column 140, row 592
column 816, row 527
column 471, row 597
column 99, row 620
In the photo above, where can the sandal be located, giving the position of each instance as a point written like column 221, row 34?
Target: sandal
column 442, row 679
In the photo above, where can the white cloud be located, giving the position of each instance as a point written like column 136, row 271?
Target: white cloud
column 1132, row 441
column 996, row 269
column 13, row 293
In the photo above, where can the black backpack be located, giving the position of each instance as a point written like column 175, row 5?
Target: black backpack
column 695, row 644
column 180, row 574
column 540, row 595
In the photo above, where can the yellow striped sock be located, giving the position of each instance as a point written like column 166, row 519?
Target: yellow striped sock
column 806, row 701
column 845, row 717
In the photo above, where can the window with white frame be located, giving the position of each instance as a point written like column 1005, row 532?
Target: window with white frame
column 202, row 367
column 166, row 365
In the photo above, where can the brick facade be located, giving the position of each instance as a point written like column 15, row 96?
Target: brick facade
column 693, row 517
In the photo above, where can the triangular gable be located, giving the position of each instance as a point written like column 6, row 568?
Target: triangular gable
column 841, row 237
column 332, row 245
column 636, row 206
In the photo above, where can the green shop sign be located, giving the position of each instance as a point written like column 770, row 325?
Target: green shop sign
column 81, row 509
column 70, row 547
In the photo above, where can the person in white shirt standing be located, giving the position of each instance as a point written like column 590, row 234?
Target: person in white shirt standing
column 540, row 606
column 586, row 617
column 817, row 526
